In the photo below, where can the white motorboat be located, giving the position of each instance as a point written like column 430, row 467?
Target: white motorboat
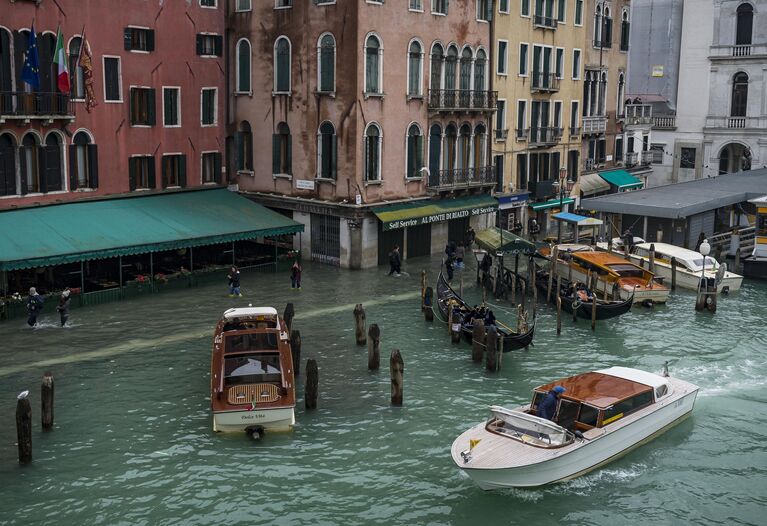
column 601, row 416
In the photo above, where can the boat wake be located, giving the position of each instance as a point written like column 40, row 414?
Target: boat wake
column 729, row 378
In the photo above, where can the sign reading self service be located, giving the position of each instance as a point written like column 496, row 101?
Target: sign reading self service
column 438, row 218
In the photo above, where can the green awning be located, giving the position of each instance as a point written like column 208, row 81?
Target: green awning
column 67, row 233
column 551, row 203
column 495, row 239
column 622, row 179
column 428, row 211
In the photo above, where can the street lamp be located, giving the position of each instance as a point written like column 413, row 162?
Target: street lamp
column 562, row 186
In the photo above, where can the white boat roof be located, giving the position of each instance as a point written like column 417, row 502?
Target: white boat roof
column 636, row 375
column 673, row 250
column 246, row 312
column 759, row 200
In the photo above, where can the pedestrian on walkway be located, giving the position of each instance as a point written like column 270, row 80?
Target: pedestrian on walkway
column 34, row 306
column 449, row 260
column 394, row 261
column 234, row 282
column 295, row 275
column 63, row 306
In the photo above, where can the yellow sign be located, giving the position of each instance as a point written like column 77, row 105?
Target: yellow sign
column 657, row 70
column 612, row 419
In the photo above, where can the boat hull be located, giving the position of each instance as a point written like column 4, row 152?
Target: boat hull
column 238, row 421
column 656, row 294
column 755, row 268
column 580, row 458
column 689, row 280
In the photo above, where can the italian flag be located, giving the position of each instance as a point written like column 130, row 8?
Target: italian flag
column 60, row 59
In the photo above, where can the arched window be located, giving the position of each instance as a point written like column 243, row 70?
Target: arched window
column 744, row 30
column 30, row 164
column 435, row 152
column 327, row 64
column 598, row 26
column 415, row 67
column 437, row 58
column 327, row 148
column 7, row 164
column 464, row 147
column 46, row 48
column 243, row 66
column 602, row 91
column 480, row 64
column 373, row 65
column 282, row 66
column 83, row 162
column 51, row 176
column 607, row 29
column 76, row 80
column 724, row 160
column 621, row 93
column 448, row 152
column 450, row 67
column 282, row 151
column 243, row 146
column 625, row 26
column 466, row 59
column 739, row 95
column 480, row 146
column 414, row 151
column 372, row 153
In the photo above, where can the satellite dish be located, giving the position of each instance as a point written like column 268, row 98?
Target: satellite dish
column 22, row 395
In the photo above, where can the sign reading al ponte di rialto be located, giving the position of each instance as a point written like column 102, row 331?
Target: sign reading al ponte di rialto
column 437, row 218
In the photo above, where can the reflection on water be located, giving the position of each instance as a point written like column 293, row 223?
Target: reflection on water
column 133, row 441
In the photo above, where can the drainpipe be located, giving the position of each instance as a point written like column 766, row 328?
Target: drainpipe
column 491, row 85
column 228, row 98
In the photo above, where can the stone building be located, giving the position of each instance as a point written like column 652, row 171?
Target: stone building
column 363, row 121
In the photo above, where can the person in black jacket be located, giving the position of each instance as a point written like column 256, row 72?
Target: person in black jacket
column 548, row 407
column 394, row 261
column 63, row 306
column 34, row 306
column 234, row 282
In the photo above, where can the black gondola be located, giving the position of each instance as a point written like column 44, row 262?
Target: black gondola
column 606, row 309
column 512, row 340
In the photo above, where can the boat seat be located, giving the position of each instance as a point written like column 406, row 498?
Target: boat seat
column 245, row 394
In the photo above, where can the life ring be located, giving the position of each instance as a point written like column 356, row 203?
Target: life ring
column 576, row 305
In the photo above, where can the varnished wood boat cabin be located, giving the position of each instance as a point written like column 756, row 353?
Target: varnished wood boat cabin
column 252, row 378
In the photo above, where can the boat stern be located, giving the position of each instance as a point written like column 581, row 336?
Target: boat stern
column 279, row 419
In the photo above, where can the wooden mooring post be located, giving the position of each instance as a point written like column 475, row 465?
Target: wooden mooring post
column 295, row 351
column 374, row 347
column 359, row 324
column 594, row 282
column 514, row 288
column 673, row 273
column 454, row 326
column 651, row 266
column 24, row 427
column 559, row 314
column 288, row 315
column 552, row 271
column 524, row 293
column 311, row 388
column 46, row 399
column 428, row 312
column 397, row 370
column 491, row 343
column 610, row 246
column 478, row 341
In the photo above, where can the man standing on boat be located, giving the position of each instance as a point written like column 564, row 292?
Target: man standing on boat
column 548, row 407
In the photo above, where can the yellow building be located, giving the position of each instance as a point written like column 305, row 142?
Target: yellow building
column 538, row 65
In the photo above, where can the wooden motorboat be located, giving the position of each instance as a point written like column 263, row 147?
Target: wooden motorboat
column 616, row 277
column 600, row 416
column 512, row 339
column 252, row 387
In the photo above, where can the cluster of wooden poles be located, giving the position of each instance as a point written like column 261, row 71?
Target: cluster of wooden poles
column 24, row 417
column 373, row 341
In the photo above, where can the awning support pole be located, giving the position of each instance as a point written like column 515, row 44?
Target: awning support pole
column 233, row 253
column 120, row 263
column 151, row 271
column 82, row 278
column 274, row 240
column 644, row 229
column 191, row 259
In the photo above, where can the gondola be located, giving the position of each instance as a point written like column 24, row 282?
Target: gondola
column 606, row 309
column 512, row 340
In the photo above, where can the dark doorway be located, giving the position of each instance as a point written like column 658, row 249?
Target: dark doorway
column 418, row 241
column 386, row 241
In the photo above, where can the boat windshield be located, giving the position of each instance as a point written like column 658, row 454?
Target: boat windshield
column 528, row 429
column 627, row 271
column 697, row 263
column 254, row 341
column 252, row 369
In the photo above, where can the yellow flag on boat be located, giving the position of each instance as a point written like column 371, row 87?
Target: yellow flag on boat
column 473, row 443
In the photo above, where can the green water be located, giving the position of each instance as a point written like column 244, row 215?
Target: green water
column 133, row 443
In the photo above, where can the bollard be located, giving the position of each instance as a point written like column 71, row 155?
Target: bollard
column 295, row 351
column 24, row 427
column 478, row 341
column 288, row 316
column 513, row 288
column 651, row 266
column 491, row 343
column 374, row 347
column 397, row 369
column 359, row 324
column 312, row 384
column 428, row 312
column 559, row 314
column 46, row 397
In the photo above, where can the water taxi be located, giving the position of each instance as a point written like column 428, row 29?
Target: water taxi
column 600, row 416
column 616, row 277
column 252, row 380
column 755, row 265
column 689, row 266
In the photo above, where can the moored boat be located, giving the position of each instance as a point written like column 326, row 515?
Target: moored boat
column 252, row 380
column 600, row 416
column 755, row 264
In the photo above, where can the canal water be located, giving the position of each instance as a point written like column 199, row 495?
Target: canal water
column 133, row 442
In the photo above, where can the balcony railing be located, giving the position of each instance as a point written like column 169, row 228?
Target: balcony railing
column 547, row 22
column 739, row 51
column 544, row 82
column 639, row 158
column 737, row 123
column 501, row 135
column 35, row 105
column 594, row 124
column 664, row 122
column 544, row 136
column 637, row 114
column 574, row 132
column 646, row 157
column 521, row 134
column 604, row 44
column 632, row 159
column 463, row 178
column 462, row 100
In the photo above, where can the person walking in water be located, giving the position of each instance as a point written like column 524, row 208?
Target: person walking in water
column 34, row 306
column 295, row 275
column 394, row 261
column 234, row 282
column 63, row 306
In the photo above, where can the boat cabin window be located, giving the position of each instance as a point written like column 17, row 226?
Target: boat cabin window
column 537, row 399
column 661, row 391
column 627, row 271
column 696, row 264
column 624, row 407
column 761, row 225
column 252, row 369
column 588, row 415
column 250, row 342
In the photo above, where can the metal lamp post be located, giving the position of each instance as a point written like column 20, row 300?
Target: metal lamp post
column 562, row 189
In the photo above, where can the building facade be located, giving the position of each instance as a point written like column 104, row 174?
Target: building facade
column 341, row 108
column 145, row 117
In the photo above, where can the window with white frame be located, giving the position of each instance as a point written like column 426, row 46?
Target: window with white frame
column 578, row 18
column 208, row 3
column 576, row 64
column 243, row 66
column 480, row 62
column 373, row 65
column 559, row 63
column 480, row 146
column 282, row 4
column 211, row 167
column 484, row 10
column 173, row 171
column 372, row 153
column 561, row 11
column 466, row 63
column 416, row 5
column 439, row 7
column 500, row 120
column 282, row 150
column 557, row 122
column 282, row 64
column 503, row 6
column 415, row 69
column 242, row 6
column 523, row 49
column 112, row 80
column 415, row 149
column 435, row 69
column 521, row 118
column 621, row 93
column 503, row 57
column 524, row 8
column 83, row 163
column 574, row 117
column 209, row 106
column 326, row 80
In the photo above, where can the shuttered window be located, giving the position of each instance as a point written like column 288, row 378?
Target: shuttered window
column 141, row 173
column 211, row 167
column 414, row 152
column 138, row 39
column 282, row 155
column 209, row 45
column 173, row 171
column 209, row 106
column 83, row 163
column 327, row 152
column 171, row 106
column 112, row 87
column 142, row 106
column 327, row 82
column 282, row 65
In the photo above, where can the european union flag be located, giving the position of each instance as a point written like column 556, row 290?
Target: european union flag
column 31, row 72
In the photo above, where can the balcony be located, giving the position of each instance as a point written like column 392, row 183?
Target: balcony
column 639, row 158
column 594, row 125
column 547, row 82
column 736, row 123
column 664, row 122
column 543, row 137
column 458, row 178
column 521, row 134
column 575, row 132
column 462, row 100
column 637, row 114
column 501, row 135
column 35, row 105
column 632, row 159
column 747, row 51
column 545, row 22
column 603, row 44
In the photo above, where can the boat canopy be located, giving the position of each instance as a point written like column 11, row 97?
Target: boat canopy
column 689, row 258
column 249, row 312
column 578, row 220
column 636, row 375
column 602, row 389
column 496, row 239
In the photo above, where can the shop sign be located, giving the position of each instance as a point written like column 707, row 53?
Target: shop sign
column 438, row 218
